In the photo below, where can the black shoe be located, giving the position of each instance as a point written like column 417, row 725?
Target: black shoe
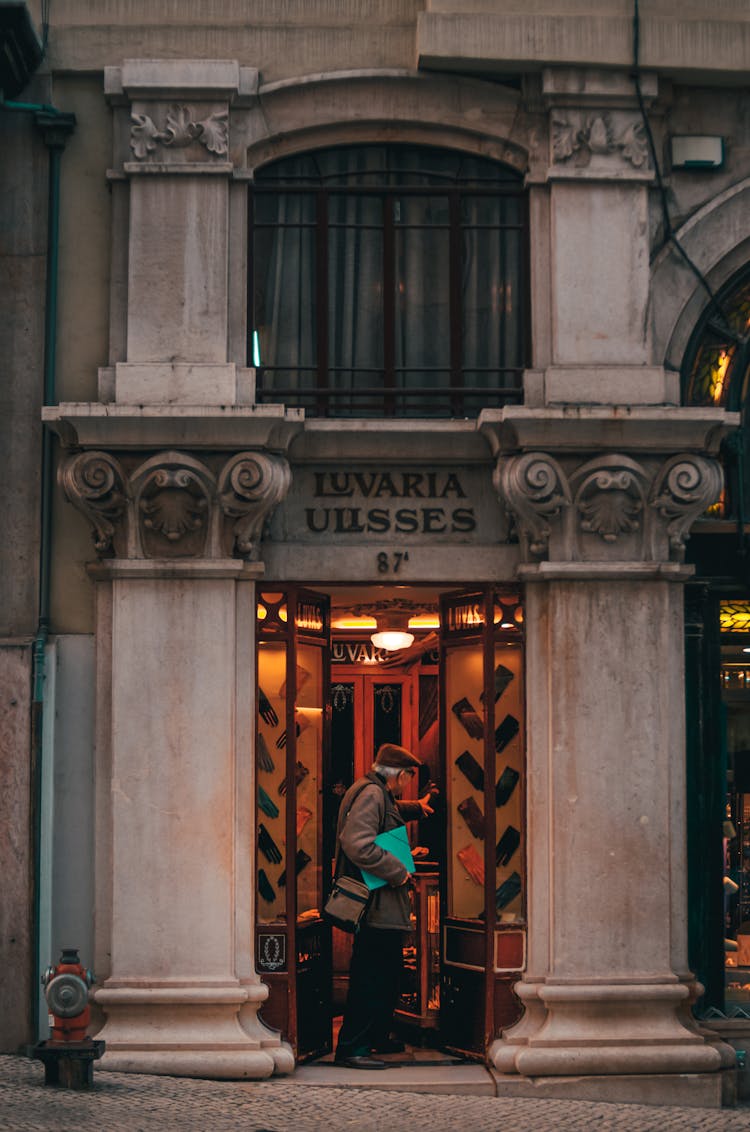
column 360, row 1061
column 389, row 1045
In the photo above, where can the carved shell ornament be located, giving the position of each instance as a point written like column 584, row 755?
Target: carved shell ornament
column 180, row 130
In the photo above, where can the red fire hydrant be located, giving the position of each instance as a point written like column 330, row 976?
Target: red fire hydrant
column 69, row 1054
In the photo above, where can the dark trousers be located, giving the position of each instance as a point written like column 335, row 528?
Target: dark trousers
column 374, row 977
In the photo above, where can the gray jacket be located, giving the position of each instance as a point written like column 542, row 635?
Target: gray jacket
column 373, row 811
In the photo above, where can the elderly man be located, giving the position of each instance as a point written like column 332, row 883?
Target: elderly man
column 368, row 808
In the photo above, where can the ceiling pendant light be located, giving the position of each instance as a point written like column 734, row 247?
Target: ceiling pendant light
column 392, row 635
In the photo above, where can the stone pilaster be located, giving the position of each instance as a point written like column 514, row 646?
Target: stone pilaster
column 173, row 150
column 602, row 530
column 178, row 536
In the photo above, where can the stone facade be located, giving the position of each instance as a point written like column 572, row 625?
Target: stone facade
column 593, row 483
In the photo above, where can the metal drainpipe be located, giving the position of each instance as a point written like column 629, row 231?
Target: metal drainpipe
column 56, row 126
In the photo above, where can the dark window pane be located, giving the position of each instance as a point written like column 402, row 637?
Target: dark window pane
column 355, row 286
column 492, row 323
column 285, row 296
column 422, row 324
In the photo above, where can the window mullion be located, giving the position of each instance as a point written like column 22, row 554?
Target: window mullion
column 454, row 300
column 321, row 279
column 389, row 305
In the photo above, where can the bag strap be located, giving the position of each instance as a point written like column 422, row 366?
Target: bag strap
column 339, row 854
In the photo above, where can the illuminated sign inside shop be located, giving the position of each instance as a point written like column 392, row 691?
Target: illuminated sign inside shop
column 309, row 617
column 462, row 617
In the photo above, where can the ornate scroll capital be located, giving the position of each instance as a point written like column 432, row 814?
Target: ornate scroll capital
column 95, row 484
column 537, row 493
column 250, row 486
column 611, row 508
column 682, row 490
column 173, row 505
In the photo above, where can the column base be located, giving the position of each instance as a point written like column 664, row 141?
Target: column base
column 608, row 1029
column 189, row 1030
column 685, row 1090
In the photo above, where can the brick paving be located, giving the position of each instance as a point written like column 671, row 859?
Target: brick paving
column 134, row 1103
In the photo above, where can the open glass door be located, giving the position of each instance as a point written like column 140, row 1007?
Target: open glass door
column 293, row 951
column 482, row 714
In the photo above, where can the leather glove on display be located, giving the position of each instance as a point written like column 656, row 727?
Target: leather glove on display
column 267, row 805
column 265, row 762
column 507, row 845
column 507, row 891
column 302, row 677
column 471, row 769
column 468, row 718
column 300, row 861
column 300, row 772
column 472, row 862
column 506, row 731
column 503, row 677
column 473, row 816
column 265, row 888
column 303, row 817
column 268, row 846
column 266, row 711
column 505, row 785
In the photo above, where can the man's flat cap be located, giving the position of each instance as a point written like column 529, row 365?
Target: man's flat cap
column 391, row 755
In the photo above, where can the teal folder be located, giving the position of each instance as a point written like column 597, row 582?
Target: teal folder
column 396, row 841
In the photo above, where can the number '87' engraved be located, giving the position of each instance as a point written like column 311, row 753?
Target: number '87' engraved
column 391, row 563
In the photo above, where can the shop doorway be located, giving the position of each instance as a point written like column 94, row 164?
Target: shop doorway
column 328, row 697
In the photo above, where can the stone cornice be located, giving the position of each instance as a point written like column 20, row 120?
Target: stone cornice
column 584, row 428
column 91, row 424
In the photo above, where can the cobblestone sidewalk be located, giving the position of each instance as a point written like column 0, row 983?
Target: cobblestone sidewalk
column 128, row 1103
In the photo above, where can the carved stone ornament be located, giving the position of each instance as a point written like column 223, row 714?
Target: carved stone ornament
column 250, row 486
column 181, row 129
column 580, row 136
column 94, row 482
column 536, row 491
column 173, row 505
column 610, row 496
column 683, row 489
column 609, row 508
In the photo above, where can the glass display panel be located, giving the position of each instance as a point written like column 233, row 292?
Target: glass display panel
column 386, row 722
column 271, row 781
column 509, row 746
column 464, row 724
column 309, row 724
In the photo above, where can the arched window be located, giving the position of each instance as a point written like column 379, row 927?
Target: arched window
column 388, row 280
column 715, row 372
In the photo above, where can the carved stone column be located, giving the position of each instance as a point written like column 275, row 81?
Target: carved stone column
column 607, row 987
column 178, row 537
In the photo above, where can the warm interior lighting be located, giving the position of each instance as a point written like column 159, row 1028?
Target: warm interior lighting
column 392, row 635
column 391, row 640
column 364, row 624
column 734, row 616
column 424, row 621
column 718, row 376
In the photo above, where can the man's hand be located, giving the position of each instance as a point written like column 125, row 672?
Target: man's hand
column 424, row 803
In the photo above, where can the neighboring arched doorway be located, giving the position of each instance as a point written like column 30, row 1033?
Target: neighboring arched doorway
column 715, row 373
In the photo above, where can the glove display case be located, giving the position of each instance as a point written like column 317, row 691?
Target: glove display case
column 483, row 915
column 419, row 1002
column 292, row 942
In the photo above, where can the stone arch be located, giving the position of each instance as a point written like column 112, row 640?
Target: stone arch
column 717, row 239
column 350, row 107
